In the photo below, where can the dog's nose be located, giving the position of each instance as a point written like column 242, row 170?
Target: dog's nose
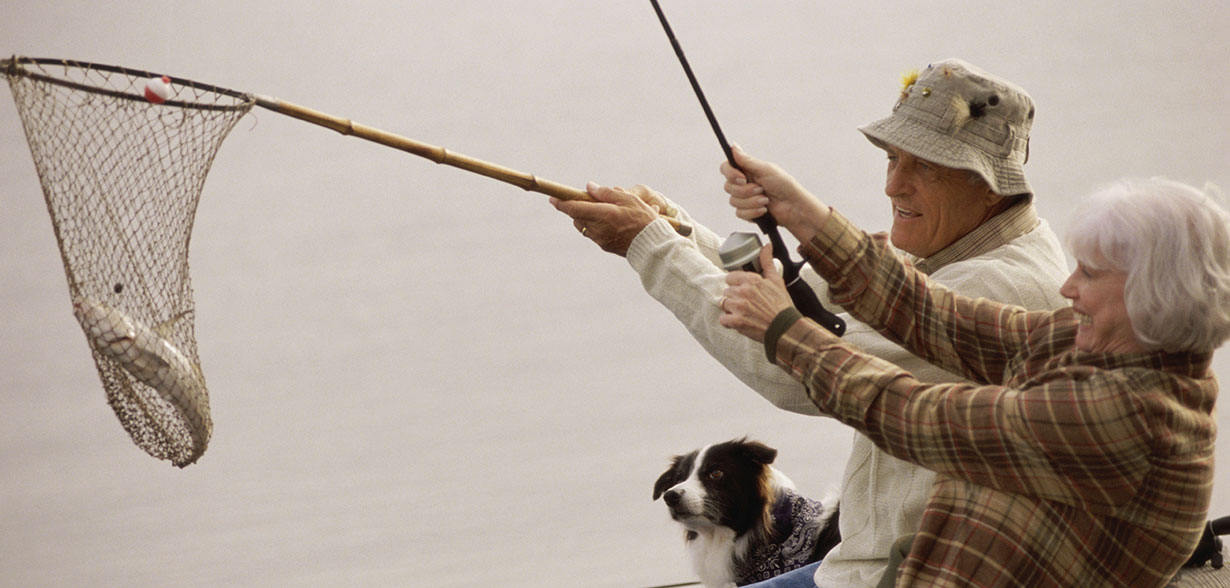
column 672, row 497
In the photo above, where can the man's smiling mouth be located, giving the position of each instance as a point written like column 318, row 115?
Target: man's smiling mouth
column 903, row 213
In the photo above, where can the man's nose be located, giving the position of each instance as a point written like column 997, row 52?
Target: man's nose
column 897, row 183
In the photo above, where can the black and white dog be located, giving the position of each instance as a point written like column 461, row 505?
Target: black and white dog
column 743, row 520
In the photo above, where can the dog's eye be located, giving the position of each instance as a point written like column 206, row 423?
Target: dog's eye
column 716, row 475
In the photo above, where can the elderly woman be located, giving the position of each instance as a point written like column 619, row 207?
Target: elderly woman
column 1082, row 454
column 960, row 208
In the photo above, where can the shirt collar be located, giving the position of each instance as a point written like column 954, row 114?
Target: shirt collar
column 1020, row 218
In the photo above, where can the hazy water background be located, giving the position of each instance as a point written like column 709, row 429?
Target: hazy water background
column 421, row 377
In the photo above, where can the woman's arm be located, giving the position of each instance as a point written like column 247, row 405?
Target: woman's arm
column 1072, row 438
column 974, row 337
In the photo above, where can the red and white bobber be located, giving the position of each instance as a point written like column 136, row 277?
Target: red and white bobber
column 158, row 90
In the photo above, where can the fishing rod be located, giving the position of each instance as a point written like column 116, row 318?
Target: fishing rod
column 801, row 294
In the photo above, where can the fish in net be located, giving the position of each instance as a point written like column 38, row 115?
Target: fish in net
column 122, row 156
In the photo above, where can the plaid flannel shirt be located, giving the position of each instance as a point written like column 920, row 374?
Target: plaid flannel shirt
column 1058, row 468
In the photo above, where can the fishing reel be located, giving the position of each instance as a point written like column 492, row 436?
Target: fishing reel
column 741, row 251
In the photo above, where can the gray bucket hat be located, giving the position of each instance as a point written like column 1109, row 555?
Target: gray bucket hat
column 959, row 116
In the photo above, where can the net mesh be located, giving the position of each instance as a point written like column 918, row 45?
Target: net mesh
column 122, row 176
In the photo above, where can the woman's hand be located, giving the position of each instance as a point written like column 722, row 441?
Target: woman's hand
column 752, row 301
column 769, row 189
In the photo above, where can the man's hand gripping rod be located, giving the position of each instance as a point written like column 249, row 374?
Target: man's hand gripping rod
column 801, row 294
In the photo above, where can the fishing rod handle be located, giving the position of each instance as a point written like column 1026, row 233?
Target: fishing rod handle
column 801, row 294
column 808, row 303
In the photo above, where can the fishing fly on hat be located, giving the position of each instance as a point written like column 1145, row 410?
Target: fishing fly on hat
column 959, row 116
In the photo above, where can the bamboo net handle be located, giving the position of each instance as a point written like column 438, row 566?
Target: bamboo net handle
column 523, row 180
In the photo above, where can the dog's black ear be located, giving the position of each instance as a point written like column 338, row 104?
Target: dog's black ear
column 758, row 452
column 681, row 466
column 665, row 481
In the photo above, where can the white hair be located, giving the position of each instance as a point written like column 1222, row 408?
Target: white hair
column 1173, row 242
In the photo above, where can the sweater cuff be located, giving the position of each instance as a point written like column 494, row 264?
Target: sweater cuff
column 781, row 323
column 640, row 251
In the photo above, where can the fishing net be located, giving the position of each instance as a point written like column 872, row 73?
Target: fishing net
column 122, row 156
column 122, row 174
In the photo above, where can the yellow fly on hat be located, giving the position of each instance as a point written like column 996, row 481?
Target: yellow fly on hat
column 907, row 79
column 957, row 115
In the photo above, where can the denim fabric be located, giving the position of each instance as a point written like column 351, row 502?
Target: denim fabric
column 799, row 578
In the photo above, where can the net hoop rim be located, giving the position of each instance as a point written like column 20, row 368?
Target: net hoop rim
column 13, row 67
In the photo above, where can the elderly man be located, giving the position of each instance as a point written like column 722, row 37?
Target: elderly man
column 961, row 209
